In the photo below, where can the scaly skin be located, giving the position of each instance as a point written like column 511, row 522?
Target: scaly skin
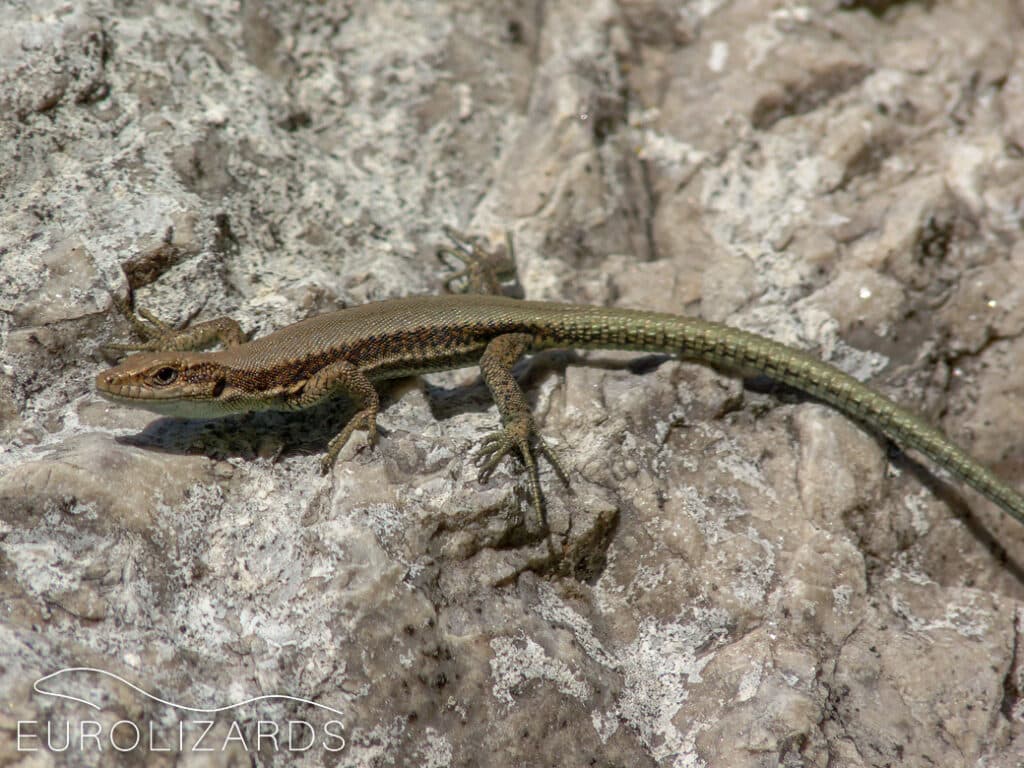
column 344, row 352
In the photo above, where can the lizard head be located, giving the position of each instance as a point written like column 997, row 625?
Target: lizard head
column 187, row 385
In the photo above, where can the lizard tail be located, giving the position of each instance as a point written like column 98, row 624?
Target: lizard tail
column 734, row 349
column 737, row 349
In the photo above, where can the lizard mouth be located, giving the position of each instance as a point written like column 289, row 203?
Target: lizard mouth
column 120, row 388
column 177, row 404
column 174, row 406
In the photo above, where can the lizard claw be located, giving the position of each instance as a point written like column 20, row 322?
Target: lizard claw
column 154, row 334
column 492, row 450
column 366, row 419
column 157, row 336
column 521, row 436
column 482, row 271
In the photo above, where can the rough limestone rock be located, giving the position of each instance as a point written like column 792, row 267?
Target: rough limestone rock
column 737, row 577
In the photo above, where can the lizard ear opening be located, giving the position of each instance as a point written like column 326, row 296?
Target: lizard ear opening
column 218, row 387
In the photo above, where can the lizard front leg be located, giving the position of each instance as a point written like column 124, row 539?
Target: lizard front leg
column 340, row 378
column 157, row 336
column 518, row 430
column 482, row 270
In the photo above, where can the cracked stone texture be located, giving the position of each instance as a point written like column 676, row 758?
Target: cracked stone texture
column 739, row 577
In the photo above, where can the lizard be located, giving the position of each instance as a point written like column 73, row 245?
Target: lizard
column 346, row 352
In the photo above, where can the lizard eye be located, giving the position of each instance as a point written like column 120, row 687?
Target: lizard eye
column 165, row 375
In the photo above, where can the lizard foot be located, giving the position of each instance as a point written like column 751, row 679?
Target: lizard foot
column 154, row 334
column 483, row 272
column 522, row 436
column 157, row 336
column 364, row 419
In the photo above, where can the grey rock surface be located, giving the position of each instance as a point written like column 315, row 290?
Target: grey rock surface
column 739, row 577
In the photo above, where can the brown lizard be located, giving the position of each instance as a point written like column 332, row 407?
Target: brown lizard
column 347, row 351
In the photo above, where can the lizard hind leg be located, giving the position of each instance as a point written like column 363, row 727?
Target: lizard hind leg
column 519, row 431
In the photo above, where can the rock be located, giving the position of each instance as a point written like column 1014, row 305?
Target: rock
column 735, row 576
